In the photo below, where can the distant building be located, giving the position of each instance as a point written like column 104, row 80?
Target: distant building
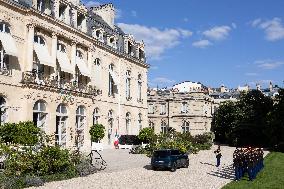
column 184, row 108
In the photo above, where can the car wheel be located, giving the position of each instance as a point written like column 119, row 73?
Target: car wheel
column 174, row 167
column 154, row 168
column 186, row 164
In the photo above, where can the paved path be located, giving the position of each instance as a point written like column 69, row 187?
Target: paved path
column 132, row 171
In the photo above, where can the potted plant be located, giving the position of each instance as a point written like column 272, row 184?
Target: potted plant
column 97, row 133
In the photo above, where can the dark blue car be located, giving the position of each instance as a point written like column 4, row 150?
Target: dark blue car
column 170, row 159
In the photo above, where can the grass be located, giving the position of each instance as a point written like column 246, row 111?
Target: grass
column 272, row 176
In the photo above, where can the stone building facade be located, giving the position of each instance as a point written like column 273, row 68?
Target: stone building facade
column 67, row 67
column 185, row 112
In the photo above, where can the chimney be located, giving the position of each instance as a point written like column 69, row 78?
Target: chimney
column 107, row 12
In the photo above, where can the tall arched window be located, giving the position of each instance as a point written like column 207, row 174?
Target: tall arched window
column 80, row 125
column 111, row 82
column 139, row 83
column 140, row 121
column 4, row 27
column 40, row 114
column 96, row 116
column 39, row 40
column 110, row 125
column 163, row 127
column 61, row 122
column 4, row 59
column 152, row 125
column 61, row 48
column 3, row 112
column 127, row 122
column 185, row 127
column 127, row 84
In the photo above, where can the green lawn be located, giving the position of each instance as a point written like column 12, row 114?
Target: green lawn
column 272, row 176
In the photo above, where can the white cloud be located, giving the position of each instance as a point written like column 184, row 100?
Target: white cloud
column 251, row 74
column 157, row 41
column 92, row 3
column 234, row 25
column 217, row 32
column 133, row 13
column 268, row 64
column 201, row 43
column 163, row 80
column 273, row 29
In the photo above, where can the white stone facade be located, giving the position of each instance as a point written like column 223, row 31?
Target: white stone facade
column 185, row 112
column 65, row 68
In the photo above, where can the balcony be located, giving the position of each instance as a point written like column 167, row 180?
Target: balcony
column 38, row 81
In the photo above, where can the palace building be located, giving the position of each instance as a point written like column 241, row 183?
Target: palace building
column 66, row 67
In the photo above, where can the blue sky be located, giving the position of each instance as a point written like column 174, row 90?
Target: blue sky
column 231, row 42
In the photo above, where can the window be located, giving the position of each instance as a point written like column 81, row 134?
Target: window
column 163, row 109
column 99, row 35
column 61, row 48
column 39, row 40
column 130, row 49
column 62, row 9
column 184, row 107
column 4, row 28
column 4, row 59
column 79, row 54
column 96, row 116
column 139, row 87
column 110, row 126
column 152, row 125
column 151, row 109
column 110, row 82
column 185, row 127
column 127, row 83
column 61, row 122
column 3, row 112
column 97, row 62
column 39, row 114
column 80, row 20
column 163, row 127
column 140, row 121
column 80, row 125
column 112, row 42
column 141, row 54
column 128, row 121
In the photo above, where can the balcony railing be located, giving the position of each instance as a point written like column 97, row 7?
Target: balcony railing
column 38, row 80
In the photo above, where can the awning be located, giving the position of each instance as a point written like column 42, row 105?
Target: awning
column 43, row 55
column 65, row 63
column 114, row 77
column 83, row 67
column 9, row 44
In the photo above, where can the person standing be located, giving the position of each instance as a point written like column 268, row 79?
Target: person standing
column 218, row 156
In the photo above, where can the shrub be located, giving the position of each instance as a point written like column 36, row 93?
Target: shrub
column 146, row 134
column 25, row 133
column 97, row 132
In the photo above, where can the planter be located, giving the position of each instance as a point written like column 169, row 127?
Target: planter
column 97, row 146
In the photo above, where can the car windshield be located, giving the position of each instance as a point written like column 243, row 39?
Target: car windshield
column 162, row 153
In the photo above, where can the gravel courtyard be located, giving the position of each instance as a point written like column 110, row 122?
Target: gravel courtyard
column 133, row 171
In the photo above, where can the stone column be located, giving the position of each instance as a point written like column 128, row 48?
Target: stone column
column 54, row 49
column 67, row 15
column 74, row 17
column 30, row 48
column 84, row 25
column 56, row 9
column 73, row 54
column 90, row 62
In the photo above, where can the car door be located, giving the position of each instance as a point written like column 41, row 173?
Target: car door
column 176, row 156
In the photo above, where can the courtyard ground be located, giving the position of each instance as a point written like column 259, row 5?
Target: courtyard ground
column 126, row 170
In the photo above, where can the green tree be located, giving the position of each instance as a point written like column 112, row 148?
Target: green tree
column 146, row 134
column 276, row 123
column 97, row 132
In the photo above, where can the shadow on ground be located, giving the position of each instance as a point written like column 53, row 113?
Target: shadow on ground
column 226, row 172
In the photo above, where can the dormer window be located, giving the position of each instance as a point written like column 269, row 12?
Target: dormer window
column 61, row 48
column 62, row 9
column 39, row 40
column 4, row 28
column 79, row 54
column 141, row 54
column 80, row 20
column 112, row 42
column 130, row 49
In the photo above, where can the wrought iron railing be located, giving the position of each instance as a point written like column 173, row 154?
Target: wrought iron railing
column 40, row 80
